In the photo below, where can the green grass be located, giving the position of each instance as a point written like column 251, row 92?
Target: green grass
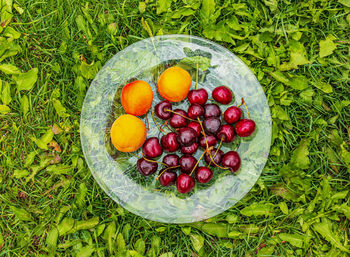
column 300, row 205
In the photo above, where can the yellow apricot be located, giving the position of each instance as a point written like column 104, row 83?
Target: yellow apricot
column 174, row 83
column 136, row 97
column 128, row 133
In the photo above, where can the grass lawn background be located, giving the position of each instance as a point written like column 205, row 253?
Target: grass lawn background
column 51, row 50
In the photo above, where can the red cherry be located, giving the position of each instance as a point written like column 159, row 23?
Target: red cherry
column 212, row 125
column 196, row 126
column 210, row 139
column 187, row 163
column 171, row 160
column 217, row 158
column 211, row 110
column 198, row 96
column 203, row 174
column 186, row 136
column 169, row 142
column 191, row 149
column 177, row 121
column 151, row 148
column 222, row 95
column 146, row 168
column 245, row 127
column 160, row 110
column 227, row 133
column 232, row 161
column 194, row 111
column 184, row 183
column 167, row 178
column 232, row 114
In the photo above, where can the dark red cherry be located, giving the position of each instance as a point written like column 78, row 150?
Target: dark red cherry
column 161, row 110
column 203, row 174
column 151, row 148
column 171, row 160
column 211, row 110
column 146, row 168
column 196, row 126
column 212, row 125
column 198, row 96
column 232, row 114
column 169, row 142
column 245, row 127
column 195, row 110
column 187, row 163
column 210, row 139
column 184, row 183
column 177, row 121
column 227, row 133
column 217, row 158
column 222, row 95
column 191, row 149
column 232, row 161
column 167, row 178
column 186, row 136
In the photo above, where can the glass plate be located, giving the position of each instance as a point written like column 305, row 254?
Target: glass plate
column 116, row 172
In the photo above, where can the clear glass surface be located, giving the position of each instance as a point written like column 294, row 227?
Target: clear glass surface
column 116, row 172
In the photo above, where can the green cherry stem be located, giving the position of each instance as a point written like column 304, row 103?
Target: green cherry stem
column 217, row 165
column 205, row 137
column 241, row 102
column 211, row 159
column 179, row 114
column 245, row 105
column 195, row 166
column 169, row 168
column 154, row 119
column 247, row 109
column 165, row 124
column 208, row 150
column 147, row 123
column 149, row 160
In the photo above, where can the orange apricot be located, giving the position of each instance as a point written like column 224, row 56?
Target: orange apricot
column 174, row 83
column 136, row 97
column 128, row 133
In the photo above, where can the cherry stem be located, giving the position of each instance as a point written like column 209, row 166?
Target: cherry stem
column 165, row 124
column 154, row 119
column 147, row 122
column 245, row 105
column 197, row 75
column 247, row 109
column 169, row 168
column 195, row 166
column 217, row 165
column 208, row 150
column 178, row 114
column 149, row 160
column 211, row 159
column 203, row 132
column 241, row 103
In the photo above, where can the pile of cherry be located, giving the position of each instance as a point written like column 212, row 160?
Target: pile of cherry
column 193, row 133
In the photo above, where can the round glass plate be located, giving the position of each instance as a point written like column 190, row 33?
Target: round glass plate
column 116, row 172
